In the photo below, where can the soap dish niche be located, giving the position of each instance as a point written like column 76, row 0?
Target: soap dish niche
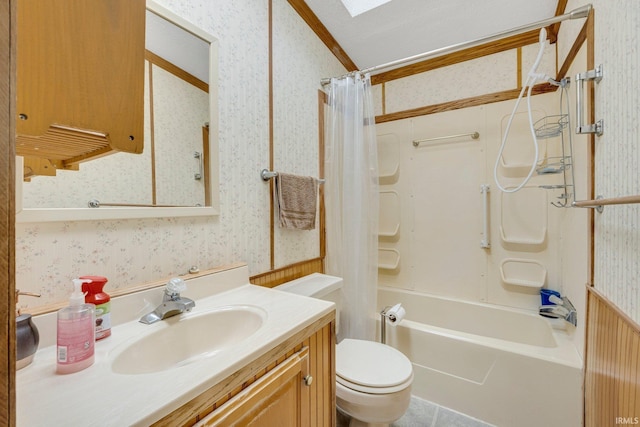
column 389, row 222
column 388, row 158
column 388, row 259
column 523, row 273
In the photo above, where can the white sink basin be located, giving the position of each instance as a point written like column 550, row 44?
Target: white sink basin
column 182, row 340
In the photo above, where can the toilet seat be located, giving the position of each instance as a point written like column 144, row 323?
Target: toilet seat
column 372, row 367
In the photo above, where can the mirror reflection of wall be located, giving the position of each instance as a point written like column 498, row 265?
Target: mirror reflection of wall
column 173, row 169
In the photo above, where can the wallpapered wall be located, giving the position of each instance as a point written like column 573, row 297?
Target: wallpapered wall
column 131, row 252
column 617, row 157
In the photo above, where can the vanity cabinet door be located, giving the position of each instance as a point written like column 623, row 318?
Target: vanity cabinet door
column 293, row 384
column 276, row 399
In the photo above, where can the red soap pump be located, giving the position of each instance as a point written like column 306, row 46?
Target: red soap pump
column 95, row 295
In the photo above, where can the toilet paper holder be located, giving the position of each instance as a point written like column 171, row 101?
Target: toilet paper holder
column 394, row 314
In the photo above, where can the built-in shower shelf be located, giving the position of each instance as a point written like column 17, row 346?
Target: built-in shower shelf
column 388, row 158
column 389, row 173
column 523, row 217
column 524, row 240
column 523, row 272
column 389, row 223
column 514, row 170
column 392, row 233
column 388, row 258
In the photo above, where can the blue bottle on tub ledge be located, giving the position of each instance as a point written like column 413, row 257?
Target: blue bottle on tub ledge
column 545, row 294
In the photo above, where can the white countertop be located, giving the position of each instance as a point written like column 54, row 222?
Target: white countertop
column 97, row 396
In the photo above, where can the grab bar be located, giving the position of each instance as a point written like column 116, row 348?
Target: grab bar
column 484, row 243
column 598, row 127
column 198, row 155
column 599, row 203
column 473, row 135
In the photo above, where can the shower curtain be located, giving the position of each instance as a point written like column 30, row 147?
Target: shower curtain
column 351, row 195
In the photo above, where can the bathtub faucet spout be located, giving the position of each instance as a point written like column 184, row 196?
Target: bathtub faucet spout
column 566, row 311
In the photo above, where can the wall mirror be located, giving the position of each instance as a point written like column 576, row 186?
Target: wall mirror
column 177, row 173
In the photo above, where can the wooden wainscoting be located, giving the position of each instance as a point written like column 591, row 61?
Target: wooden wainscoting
column 281, row 275
column 612, row 365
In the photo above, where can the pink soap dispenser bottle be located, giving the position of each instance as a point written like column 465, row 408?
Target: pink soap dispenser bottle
column 76, row 333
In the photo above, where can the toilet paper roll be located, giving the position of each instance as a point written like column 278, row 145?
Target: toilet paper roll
column 395, row 314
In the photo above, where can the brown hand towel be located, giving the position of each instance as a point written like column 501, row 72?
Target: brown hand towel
column 296, row 197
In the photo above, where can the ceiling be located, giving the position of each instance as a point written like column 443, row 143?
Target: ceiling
column 401, row 28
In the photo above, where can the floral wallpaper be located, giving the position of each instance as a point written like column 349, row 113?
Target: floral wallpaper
column 617, row 155
column 136, row 251
column 295, row 127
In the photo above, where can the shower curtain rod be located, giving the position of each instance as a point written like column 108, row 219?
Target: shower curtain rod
column 578, row 13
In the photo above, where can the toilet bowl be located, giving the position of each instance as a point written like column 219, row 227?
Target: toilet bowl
column 373, row 380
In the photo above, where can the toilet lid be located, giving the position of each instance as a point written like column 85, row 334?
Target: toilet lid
column 371, row 364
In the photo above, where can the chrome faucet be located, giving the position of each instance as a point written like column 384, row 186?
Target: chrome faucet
column 565, row 311
column 172, row 303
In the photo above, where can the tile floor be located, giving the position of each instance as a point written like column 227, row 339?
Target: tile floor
column 422, row 413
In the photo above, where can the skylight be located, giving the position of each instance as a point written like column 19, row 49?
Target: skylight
column 357, row 7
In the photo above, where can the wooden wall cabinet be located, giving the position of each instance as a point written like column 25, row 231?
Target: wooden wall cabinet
column 292, row 385
column 80, row 79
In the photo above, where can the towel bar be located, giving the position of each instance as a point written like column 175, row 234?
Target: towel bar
column 266, row 175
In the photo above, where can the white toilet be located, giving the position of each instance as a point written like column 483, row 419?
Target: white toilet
column 373, row 380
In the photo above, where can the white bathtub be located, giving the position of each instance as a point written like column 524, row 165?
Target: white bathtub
column 504, row 366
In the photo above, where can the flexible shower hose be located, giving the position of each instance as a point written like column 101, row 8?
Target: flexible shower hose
column 532, row 78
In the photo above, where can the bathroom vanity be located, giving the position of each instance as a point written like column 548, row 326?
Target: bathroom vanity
column 290, row 385
column 245, row 354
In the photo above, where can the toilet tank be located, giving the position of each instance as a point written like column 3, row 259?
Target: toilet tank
column 320, row 286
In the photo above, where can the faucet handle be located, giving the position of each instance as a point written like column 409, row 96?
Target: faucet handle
column 175, row 286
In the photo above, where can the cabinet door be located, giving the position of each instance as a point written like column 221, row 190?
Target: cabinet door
column 273, row 400
column 80, row 78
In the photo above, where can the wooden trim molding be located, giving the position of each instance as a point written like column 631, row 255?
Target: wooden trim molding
column 591, row 154
column 321, row 31
column 519, row 68
column 552, row 30
column 515, row 42
column 7, row 210
column 577, row 44
column 272, row 219
column 322, row 228
column 290, row 272
column 463, row 103
column 176, row 71
column 457, row 57
column 612, row 368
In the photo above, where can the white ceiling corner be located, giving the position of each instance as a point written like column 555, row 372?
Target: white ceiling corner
column 357, row 7
column 397, row 29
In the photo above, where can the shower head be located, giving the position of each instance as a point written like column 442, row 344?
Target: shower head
column 542, row 39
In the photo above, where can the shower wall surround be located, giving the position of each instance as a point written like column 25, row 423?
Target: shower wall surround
column 436, row 190
column 131, row 252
